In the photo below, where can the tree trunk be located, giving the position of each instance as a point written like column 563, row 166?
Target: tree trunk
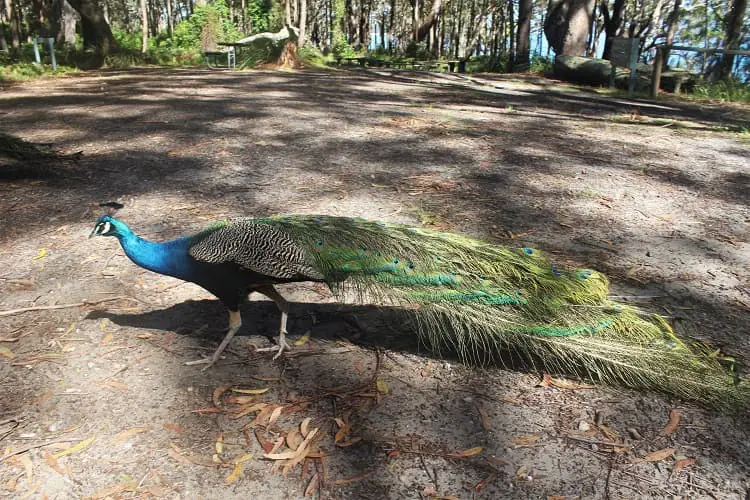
column 391, row 25
column 69, row 20
column 733, row 37
column 15, row 31
column 671, row 29
column 415, row 19
column 567, row 25
column 170, row 20
column 612, row 24
column 3, row 43
column 96, row 31
column 430, row 20
column 459, row 28
column 523, row 44
column 302, row 22
column 471, row 44
column 144, row 27
column 511, row 30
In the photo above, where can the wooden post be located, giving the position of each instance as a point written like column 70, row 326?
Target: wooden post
column 656, row 76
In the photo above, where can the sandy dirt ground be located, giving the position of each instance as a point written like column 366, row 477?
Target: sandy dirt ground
column 95, row 399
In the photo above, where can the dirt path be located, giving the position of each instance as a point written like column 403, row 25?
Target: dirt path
column 655, row 195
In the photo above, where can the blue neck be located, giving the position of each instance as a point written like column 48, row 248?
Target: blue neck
column 170, row 258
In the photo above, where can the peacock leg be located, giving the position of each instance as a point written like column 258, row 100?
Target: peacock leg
column 270, row 292
column 235, row 322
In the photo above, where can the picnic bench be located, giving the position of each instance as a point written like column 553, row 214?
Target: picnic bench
column 213, row 56
column 404, row 63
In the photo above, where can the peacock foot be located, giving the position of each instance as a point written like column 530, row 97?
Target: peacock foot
column 280, row 347
column 208, row 361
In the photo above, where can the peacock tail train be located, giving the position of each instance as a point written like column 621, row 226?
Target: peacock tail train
column 484, row 301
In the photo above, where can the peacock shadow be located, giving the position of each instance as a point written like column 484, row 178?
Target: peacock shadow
column 369, row 326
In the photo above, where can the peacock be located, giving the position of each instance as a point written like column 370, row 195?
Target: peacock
column 480, row 300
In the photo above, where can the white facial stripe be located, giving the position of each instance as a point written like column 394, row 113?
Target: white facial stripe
column 105, row 228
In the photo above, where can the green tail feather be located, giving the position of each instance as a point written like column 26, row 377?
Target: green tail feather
column 485, row 300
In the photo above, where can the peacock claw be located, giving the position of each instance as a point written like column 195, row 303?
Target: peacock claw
column 280, row 347
column 209, row 362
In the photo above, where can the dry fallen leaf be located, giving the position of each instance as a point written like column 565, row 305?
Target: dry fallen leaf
column 4, row 351
column 548, row 381
column 251, row 391
column 52, row 462
column 27, row 466
column 122, row 436
column 107, row 339
column 248, row 410
column 188, row 458
column 218, row 392
column 496, row 461
column 484, row 418
column 660, row 455
column 220, row 444
column 382, row 386
column 275, row 415
column 174, row 427
column 682, row 463
column 113, row 384
column 115, row 490
column 42, row 254
column 304, row 427
column 303, row 339
column 75, row 448
column 235, row 475
column 242, row 458
column 313, row 485
column 470, row 452
column 103, row 324
column 525, row 440
column 674, row 422
column 294, row 439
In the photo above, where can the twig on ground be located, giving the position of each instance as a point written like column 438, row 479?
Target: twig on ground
column 60, row 306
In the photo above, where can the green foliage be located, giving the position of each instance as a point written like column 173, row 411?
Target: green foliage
column 487, row 64
column 727, row 91
column 418, row 50
column 260, row 51
column 342, row 48
column 209, row 23
column 541, row 64
column 313, row 57
column 258, row 14
column 276, row 17
column 21, row 66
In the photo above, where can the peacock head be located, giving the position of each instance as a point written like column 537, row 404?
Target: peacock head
column 109, row 226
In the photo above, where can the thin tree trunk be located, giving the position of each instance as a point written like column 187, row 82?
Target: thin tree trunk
column 671, row 30
column 3, row 43
column 511, row 30
column 144, row 27
column 523, row 44
column 302, row 22
column 733, row 37
column 612, row 23
column 170, row 20
column 15, row 31
column 391, row 30
column 415, row 19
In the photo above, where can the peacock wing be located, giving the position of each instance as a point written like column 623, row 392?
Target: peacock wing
column 255, row 246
